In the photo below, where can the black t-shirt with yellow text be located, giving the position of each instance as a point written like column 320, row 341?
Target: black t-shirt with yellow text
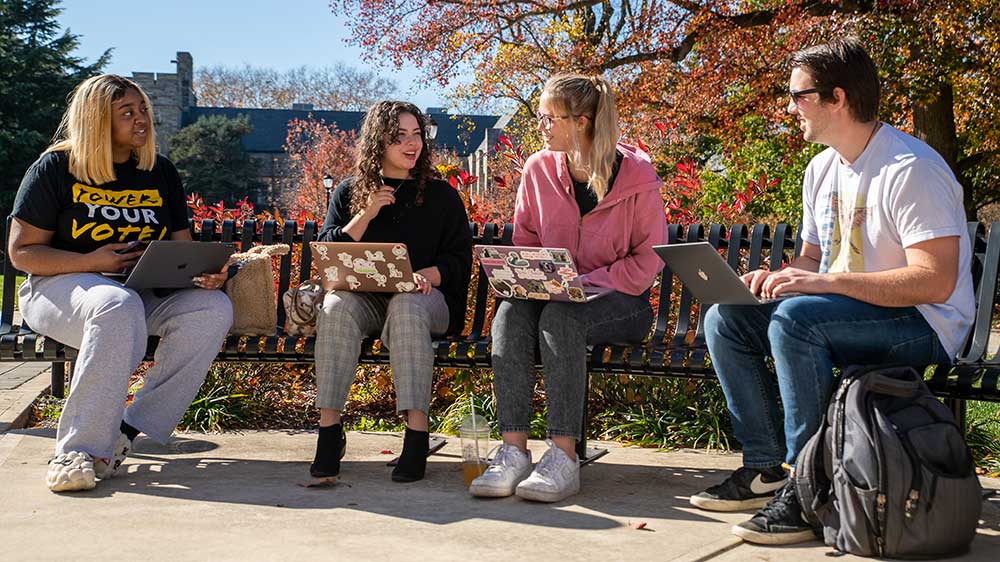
column 137, row 205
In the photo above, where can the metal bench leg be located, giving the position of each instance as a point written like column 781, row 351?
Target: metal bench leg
column 58, row 380
column 957, row 407
column 587, row 455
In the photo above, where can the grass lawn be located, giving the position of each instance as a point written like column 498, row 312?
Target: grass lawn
column 20, row 279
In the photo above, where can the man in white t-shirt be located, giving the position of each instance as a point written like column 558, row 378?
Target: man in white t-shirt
column 884, row 273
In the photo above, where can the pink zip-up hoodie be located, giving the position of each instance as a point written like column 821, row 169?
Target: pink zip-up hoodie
column 612, row 245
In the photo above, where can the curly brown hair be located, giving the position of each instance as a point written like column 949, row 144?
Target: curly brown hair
column 380, row 129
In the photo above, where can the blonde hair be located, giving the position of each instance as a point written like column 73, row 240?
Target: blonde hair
column 85, row 130
column 593, row 97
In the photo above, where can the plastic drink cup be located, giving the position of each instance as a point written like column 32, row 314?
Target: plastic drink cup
column 475, row 438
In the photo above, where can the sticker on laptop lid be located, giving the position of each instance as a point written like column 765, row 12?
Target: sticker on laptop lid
column 399, row 251
column 502, row 288
column 541, row 254
column 567, row 273
column 364, row 267
column 525, row 273
column 515, row 260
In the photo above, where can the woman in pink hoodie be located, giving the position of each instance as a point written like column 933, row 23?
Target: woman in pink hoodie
column 599, row 199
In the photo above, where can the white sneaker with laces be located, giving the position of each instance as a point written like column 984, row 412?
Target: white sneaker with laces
column 70, row 472
column 509, row 467
column 556, row 478
column 106, row 468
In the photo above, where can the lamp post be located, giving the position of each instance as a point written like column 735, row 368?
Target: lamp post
column 431, row 128
column 328, row 184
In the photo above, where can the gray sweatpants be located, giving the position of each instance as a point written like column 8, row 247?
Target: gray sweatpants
column 561, row 332
column 404, row 321
column 109, row 325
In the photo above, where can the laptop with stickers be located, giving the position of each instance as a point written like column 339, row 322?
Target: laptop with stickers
column 546, row 274
column 364, row 267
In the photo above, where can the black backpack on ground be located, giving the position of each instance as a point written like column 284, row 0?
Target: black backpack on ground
column 888, row 473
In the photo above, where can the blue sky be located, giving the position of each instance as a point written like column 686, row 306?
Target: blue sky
column 268, row 33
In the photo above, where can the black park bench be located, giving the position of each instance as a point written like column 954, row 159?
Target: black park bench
column 676, row 346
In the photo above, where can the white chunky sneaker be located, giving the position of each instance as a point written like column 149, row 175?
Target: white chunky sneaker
column 70, row 472
column 106, row 468
column 509, row 467
column 556, row 477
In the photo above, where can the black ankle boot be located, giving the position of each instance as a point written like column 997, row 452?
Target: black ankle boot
column 330, row 448
column 413, row 460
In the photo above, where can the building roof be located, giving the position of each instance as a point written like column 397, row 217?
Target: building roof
column 461, row 133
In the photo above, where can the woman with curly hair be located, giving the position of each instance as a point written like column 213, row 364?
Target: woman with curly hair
column 394, row 196
column 99, row 187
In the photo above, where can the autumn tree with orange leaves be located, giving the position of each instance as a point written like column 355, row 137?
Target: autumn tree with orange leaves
column 703, row 66
column 315, row 149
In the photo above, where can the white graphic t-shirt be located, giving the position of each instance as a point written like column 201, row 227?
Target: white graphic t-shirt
column 899, row 192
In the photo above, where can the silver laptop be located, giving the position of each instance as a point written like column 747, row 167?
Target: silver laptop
column 709, row 278
column 170, row 264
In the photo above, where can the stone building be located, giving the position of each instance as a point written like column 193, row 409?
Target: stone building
column 471, row 137
column 171, row 95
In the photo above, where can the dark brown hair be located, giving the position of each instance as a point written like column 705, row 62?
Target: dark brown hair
column 380, row 129
column 844, row 64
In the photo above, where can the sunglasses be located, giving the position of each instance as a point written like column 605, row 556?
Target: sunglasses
column 799, row 95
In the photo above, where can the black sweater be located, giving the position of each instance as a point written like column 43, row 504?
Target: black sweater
column 436, row 234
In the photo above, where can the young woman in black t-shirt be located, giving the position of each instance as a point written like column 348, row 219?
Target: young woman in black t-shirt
column 393, row 197
column 98, row 188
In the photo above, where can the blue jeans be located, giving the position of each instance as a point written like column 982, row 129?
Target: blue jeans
column 807, row 337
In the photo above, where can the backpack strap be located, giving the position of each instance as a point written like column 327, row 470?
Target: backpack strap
column 811, row 482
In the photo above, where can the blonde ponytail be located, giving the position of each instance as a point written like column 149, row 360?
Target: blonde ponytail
column 594, row 98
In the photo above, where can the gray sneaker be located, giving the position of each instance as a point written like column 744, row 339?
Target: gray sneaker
column 70, row 472
column 509, row 467
column 106, row 468
column 556, row 478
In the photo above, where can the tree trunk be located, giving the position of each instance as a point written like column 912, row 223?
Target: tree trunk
column 934, row 123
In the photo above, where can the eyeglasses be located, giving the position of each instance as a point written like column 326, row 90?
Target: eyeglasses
column 799, row 95
column 547, row 120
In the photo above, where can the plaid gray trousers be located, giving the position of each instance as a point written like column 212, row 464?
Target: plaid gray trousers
column 405, row 322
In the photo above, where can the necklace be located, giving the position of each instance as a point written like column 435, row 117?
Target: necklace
column 394, row 183
column 870, row 137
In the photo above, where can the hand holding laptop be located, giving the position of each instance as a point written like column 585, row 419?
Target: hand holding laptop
column 212, row 280
column 424, row 284
column 117, row 257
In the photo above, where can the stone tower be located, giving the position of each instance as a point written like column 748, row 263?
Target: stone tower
column 171, row 95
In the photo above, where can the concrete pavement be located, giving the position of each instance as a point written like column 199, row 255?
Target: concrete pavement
column 236, row 496
column 20, row 384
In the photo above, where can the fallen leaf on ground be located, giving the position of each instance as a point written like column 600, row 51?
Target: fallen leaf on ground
column 638, row 525
column 319, row 482
column 385, row 452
